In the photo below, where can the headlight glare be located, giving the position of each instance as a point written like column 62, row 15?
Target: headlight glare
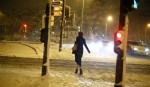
column 135, row 48
column 146, row 50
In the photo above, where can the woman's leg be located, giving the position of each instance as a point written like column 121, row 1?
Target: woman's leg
column 76, row 70
column 78, row 62
column 77, row 66
column 80, row 68
column 80, row 65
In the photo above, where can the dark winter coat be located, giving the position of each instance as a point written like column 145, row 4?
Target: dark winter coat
column 80, row 41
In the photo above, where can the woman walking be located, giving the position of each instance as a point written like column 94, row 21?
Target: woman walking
column 80, row 41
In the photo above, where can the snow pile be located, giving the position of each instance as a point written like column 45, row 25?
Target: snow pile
column 11, row 76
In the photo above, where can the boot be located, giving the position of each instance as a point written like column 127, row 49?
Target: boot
column 81, row 72
column 76, row 71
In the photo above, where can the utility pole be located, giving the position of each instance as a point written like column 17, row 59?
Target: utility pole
column 121, row 57
column 82, row 15
column 45, row 65
column 120, row 40
column 62, row 26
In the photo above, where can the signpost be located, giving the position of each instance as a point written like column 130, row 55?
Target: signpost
column 62, row 26
column 45, row 65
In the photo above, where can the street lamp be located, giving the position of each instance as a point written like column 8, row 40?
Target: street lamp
column 109, row 18
column 148, row 26
column 82, row 15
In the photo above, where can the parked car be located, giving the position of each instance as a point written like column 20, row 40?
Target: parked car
column 135, row 47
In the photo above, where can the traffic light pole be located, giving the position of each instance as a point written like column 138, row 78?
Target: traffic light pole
column 45, row 65
column 121, row 58
column 62, row 26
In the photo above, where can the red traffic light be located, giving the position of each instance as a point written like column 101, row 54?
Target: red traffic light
column 118, row 42
column 118, row 35
column 25, row 25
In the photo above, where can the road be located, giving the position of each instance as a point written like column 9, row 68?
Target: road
column 95, row 71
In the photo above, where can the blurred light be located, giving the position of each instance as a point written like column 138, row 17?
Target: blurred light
column 148, row 25
column 95, row 47
column 53, row 32
column 118, row 35
column 25, row 25
column 24, row 36
column 146, row 50
column 109, row 18
column 58, row 8
column 78, row 28
column 135, row 4
column 135, row 48
column 110, row 45
column 101, row 47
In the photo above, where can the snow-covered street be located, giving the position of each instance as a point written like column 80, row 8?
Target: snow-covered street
column 20, row 66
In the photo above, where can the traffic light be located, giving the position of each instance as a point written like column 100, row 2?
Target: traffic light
column 130, row 5
column 67, row 11
column 43, row 35
column 25, row 27
column 56, row 8
column 135, row 4
column 119, row 42
column 71, row 20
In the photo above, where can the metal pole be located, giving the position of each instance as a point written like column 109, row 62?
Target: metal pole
column 106, row 31
column 62, row 26
column 68, row 33
column 145, row 36
column 45, row 65
column 82, row 15
column 121, row 58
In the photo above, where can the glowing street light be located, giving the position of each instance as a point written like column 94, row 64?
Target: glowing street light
column 109, row 18
column 148, row 25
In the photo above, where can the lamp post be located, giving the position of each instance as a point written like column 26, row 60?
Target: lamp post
column 82, row 15
column 148, row 26
column 109, row 18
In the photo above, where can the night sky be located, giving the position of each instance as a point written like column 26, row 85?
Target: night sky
column 138, row 19
column 22, row 4
column 143, row 11
column 144, row 7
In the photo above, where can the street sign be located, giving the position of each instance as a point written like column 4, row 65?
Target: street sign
column 56, row 8
column 51, row 22
column 57, row 2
